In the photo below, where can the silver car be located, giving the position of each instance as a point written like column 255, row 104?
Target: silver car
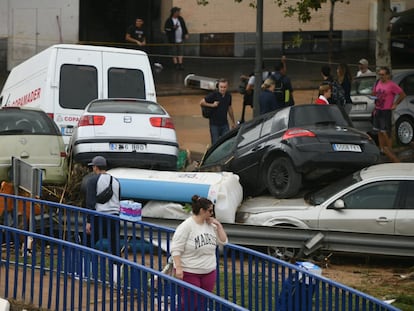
column 363, row 104
column 377, row 199
column 29, row 134
column 128, row 133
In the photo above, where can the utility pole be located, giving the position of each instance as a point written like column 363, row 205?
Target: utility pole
column 258, row 59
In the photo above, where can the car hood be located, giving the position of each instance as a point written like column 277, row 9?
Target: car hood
column 270, row 204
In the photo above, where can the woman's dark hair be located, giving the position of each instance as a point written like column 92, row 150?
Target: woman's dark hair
column 199, row 203
column 326, row 71
column 386, row 69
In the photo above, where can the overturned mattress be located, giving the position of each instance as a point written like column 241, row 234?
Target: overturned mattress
column 222, row 188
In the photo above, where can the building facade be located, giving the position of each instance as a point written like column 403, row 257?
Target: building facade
column 221, row 28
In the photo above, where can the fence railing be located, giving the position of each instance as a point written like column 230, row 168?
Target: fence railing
column 67, row 269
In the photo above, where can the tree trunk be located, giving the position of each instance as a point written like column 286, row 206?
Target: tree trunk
column 382, row 48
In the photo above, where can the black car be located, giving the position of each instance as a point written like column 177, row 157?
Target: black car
column 402, row 32
column 281, row 150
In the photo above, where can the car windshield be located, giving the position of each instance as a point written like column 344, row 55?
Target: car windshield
column 363, row 85
column 138, row 107
column 306, row 115
column 20, row 121
column 320, row 196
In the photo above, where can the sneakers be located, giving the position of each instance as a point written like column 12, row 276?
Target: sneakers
column 179, row 66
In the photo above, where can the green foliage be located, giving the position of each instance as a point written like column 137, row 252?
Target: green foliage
column 302, row 8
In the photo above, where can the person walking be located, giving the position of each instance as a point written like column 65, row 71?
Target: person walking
column 267, row 99
column 248, row 92
column 388, row 96
column 283, row 86
column 98, row 197
column 176, row 31
column 193, row 249
column 344, row 78
column 220, row 100
column 136, row 34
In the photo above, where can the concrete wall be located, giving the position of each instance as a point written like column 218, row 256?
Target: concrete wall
column 35, row 25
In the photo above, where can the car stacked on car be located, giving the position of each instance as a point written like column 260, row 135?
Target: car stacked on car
column 281, row 150
column 127, row 132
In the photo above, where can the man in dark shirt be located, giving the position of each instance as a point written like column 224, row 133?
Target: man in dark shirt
column 136, row 33
column 283, row 86
column 220, row 100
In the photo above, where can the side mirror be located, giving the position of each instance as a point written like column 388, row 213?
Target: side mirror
column 339, row 204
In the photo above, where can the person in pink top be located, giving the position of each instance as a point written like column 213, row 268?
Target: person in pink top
column 325, row 92
column 388, row 95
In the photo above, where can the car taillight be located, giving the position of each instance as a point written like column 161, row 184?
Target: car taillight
column 50, row 115
column 63, row 154
column 91, row 120
column 162, row 122
column 298, row 132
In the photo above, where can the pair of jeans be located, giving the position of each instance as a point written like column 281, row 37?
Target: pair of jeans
column 216, row 131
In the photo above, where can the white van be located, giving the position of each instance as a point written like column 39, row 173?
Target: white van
column 64, row 78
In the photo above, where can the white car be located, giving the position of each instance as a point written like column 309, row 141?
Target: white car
column 378, row 199
column 128, row 133
column 363, row 104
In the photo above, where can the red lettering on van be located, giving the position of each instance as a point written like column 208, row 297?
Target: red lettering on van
column 27, row 98
column 71, row 119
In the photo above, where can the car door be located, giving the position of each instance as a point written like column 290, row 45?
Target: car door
column 251, row 145
column 404, row 219
column 368, row 208
column 407, row 84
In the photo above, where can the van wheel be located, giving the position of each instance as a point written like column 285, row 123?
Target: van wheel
column 404, row 129
column 282, row 179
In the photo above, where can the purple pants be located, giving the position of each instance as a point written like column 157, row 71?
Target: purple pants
column 192, row 301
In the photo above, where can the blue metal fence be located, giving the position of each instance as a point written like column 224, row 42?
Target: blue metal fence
column 67, row 270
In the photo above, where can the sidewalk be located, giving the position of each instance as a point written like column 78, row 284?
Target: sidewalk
column 169, row 81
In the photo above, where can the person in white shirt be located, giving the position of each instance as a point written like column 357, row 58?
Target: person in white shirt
column 363, row 68
column 95, row 185
column 176, row 31
column 193, row 249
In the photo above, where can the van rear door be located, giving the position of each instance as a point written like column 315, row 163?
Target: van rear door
column 77, row 81
column 129, row 75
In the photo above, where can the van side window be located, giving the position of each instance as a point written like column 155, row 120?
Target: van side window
column 126, row 83
column 73, row 79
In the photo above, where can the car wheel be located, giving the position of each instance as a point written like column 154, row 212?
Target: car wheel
column 282, row 179
column 404, row 129
column 283, row 253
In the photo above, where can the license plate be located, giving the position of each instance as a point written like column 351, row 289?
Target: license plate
column 346, row 147
column 127, row 147
column 359, row 107
column 66, row 131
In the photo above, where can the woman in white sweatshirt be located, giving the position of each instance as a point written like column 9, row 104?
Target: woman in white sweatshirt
column 194, row 246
